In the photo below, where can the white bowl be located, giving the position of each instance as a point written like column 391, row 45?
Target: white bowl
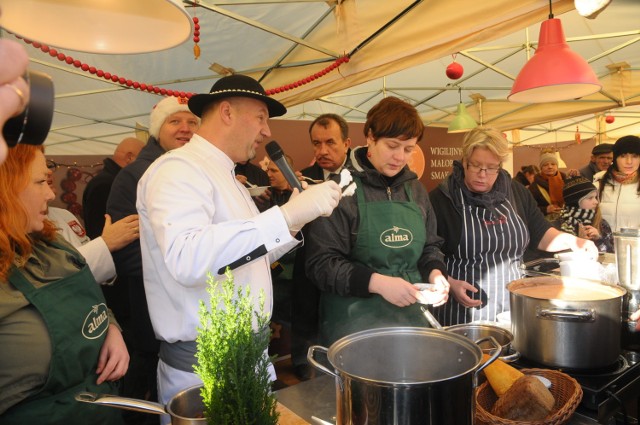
column 575, row 256
column 504, row 320
column 580, row 269
column 257, row 191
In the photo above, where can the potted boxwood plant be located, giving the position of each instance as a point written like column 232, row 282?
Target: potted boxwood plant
column 231, row 345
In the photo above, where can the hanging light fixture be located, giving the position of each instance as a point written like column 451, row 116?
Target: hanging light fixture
column 462, row 122
column 555, row 72
column 98, row 26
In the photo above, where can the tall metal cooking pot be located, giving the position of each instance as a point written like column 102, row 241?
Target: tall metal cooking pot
column 566, row 322
column 404, row 375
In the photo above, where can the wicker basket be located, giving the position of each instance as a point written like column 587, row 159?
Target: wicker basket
column 564, row 388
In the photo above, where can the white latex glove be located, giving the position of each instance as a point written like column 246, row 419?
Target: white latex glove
column 317, row 200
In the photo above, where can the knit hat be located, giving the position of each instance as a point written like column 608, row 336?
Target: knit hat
column 576, row 188
column 167, row 106
column 236, row 85
column 626, row 144
column 548, row 157
column 602, row 148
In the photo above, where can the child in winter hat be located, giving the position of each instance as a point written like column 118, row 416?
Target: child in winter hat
column 581, row 216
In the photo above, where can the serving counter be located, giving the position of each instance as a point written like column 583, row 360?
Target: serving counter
column 317, row 398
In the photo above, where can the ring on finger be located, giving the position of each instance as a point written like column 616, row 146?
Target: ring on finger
column 23, row 101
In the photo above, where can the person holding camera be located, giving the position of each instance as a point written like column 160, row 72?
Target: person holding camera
column 14, row 90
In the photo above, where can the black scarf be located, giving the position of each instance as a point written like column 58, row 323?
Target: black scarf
column 572, row 217
column 500, row 191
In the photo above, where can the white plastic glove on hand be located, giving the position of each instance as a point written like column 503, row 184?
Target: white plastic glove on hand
column 317, row 200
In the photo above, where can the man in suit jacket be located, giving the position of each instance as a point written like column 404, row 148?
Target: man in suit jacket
column 329, row 134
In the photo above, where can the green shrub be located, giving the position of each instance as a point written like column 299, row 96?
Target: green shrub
column 231, row 357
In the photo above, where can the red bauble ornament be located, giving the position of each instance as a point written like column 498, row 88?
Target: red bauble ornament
column 69, row 197
column 68, row 185
column 454, row 70
column 609, row 119
column 74, row 174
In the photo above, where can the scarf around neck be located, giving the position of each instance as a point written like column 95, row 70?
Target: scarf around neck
column 572, row 217
column 490, row 200
column 625, row 178
column 555, row 183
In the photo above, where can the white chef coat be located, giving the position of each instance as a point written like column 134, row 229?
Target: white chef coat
column 196, row 218
column 620, row 204
column 95, row 252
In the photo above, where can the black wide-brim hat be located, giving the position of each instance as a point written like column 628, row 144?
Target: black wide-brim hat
column 236, row 86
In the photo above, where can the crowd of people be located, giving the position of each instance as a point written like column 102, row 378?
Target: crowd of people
column 165, row 213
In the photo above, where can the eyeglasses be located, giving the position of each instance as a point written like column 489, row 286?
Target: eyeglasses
column 51, row 164
column 476, row 169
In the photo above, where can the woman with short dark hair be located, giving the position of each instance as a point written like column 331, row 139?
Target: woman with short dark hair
column 367, row 256
column 526, row 174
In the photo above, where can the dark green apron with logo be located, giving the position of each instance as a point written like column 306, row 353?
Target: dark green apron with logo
column 75, row 313
column 390, row 240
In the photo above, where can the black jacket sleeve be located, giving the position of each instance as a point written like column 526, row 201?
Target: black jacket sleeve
column 122, row 203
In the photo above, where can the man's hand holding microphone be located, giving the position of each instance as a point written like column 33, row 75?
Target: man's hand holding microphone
column 307, row 202
column 314, row 201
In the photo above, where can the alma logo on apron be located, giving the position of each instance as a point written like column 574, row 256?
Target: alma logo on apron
column 96, row 322
column 396, row 237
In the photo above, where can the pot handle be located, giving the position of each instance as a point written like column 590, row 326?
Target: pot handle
column 314, row 363
column 122, row 402
column 567, row 315
column 509, row 358
column 311, row 357
column 494, row 356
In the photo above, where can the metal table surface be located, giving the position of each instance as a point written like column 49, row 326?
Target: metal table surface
column 317, row 397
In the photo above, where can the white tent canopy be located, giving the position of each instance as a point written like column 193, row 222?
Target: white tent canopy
column 398, row 47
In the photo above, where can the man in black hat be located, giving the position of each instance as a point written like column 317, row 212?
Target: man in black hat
column 601, row 158
column 196, row 218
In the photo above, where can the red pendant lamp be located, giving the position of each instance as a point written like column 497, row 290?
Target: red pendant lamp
column 555, row 72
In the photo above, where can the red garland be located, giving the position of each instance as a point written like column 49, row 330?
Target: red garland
column 196, row 37
column 168, row 92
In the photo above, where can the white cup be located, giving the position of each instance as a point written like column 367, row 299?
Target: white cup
column 580, row 269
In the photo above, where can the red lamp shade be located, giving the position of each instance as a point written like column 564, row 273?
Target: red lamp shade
column 555, row 72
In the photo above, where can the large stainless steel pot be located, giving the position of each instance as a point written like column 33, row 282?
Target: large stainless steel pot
column 565, row 322
column 404, row 376
column 185, row 408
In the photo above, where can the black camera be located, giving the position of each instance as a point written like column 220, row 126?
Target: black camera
column 32, row 125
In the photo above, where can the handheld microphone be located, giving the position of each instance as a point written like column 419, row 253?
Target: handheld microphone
column 277, row 156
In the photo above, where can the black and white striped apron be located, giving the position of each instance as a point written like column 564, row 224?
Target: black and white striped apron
column 488, row 257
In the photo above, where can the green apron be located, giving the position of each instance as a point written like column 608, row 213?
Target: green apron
column 390, row 240
column 75, row 313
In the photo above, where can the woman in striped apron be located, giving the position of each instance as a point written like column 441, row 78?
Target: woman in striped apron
column 487, row 222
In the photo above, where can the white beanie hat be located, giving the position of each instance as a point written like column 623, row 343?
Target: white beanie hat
column 167, row 106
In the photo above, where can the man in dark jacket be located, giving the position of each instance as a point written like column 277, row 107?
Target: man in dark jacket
column 329, row 134
column 94, row 207
column 171, row 126
column 601, row 158
column 94, row 197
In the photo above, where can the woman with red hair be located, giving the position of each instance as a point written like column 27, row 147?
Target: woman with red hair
column 56, row 335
